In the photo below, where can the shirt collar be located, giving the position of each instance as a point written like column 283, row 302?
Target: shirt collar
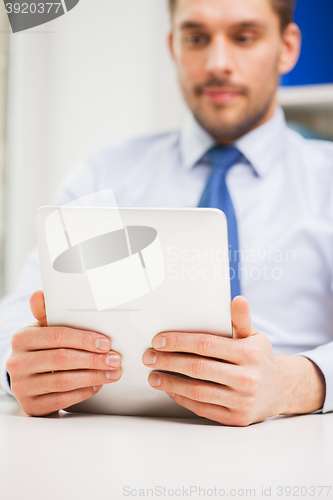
column 260, row 147
column 194, row 142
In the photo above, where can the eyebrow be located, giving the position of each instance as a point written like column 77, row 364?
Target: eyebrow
column 249, row 24
column 187, row 25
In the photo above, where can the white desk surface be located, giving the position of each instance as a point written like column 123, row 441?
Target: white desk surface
column 81, row 457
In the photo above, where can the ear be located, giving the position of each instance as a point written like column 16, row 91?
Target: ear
column 170, row 44
column 291, row 48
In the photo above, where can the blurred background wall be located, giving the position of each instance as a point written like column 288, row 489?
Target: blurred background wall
column 97, row 75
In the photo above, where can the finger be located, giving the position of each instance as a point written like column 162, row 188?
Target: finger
column 70, row 381
column 212, row 412
column 50, row 403
column 203, row 344
column 34, row 339
column 195, row 367
column 37, row 306
column 205, row 392
column 68, row 359
column 241, row 318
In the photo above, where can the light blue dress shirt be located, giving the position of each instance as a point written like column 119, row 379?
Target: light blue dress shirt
column 283, row 199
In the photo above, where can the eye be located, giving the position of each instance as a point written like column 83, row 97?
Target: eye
column 195, row 40
column 245, row 39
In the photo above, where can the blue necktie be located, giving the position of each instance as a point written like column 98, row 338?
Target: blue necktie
column 216, row 195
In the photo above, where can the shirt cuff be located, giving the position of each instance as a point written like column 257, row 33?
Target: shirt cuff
column 4, row 384
column 322, row 356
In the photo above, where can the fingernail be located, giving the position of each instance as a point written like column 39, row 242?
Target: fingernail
column 114, row 375
column 103, row 344
column 113, row 360
column 159, row 342
column 149, row 358
column 97, row 387
column 154, row 380
column 171, row 394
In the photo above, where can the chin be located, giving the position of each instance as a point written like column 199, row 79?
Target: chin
column 223, row 127
column 224, row 123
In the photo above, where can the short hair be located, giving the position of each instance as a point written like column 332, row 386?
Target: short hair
column 284, row 8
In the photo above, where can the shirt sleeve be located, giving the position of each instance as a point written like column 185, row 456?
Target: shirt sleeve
column 322, row 356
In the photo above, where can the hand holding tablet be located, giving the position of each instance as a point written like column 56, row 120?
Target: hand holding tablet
column 52, row 368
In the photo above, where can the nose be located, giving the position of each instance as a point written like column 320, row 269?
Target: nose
column 219, row 60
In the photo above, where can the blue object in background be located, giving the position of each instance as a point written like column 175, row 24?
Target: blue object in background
column 315, row 19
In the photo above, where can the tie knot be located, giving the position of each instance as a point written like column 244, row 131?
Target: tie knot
column 224, row 157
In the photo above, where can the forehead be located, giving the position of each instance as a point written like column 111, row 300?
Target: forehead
column 224, row 11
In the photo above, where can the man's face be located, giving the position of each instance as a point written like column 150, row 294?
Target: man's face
column 229, row 55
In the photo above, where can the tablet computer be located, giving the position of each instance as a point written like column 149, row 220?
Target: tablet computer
column 130, row 273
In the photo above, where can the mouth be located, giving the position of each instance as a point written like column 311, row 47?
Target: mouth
column 220, row 96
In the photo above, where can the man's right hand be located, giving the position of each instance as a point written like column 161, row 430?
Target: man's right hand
column 52, row 368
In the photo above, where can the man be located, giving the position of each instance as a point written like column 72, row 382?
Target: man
column 229, row 55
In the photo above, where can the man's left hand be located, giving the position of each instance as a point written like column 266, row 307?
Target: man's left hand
column 234, row 381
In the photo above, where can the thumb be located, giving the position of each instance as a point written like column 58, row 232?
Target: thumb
column 241, row 318
column 37, row 306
